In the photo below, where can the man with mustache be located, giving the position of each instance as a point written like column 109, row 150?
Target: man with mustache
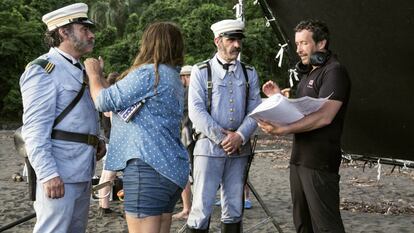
column 316, row 152
column 61, row 149
column 221, row 94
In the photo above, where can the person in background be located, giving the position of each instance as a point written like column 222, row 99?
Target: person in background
column 186, row 139
column 247, row 202
column 106, row 175
column 316, row 152
column 147, row 148
column 63, row 155
column 223, row 148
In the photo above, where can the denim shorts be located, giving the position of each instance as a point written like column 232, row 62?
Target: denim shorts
column 147, row 192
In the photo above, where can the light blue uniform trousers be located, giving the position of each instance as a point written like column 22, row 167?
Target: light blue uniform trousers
column 64, row 215
column 209, row 173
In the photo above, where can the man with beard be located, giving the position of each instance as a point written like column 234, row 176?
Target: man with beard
column 61, row 146
column 316, row 152
column 221, row 94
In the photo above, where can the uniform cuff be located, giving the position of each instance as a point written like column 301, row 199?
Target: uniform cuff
column 241, row 135
column 47, row 178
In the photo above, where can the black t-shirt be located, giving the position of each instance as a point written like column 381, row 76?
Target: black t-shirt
column 321, row 148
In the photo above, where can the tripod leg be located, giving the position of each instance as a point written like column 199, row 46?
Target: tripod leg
column 264, row 207
column 17, row 222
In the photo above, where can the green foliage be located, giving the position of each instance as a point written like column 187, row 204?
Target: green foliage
column 12, row 104
column 110, row 13
column 20, row 41
column 105, row 37
column 45, row 6
column 158, row 11
column 132, row 24
column 120, row 24
column 99, row 14
column 119, row 57
column 259, row 47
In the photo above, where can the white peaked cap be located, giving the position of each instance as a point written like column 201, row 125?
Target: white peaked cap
column 75, row 13
column 229, row 28
column 186, row 69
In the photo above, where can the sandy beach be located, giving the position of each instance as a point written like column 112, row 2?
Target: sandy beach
column 367, row 205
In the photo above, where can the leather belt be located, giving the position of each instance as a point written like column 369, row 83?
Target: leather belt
column 201, row 135
column 89, row 139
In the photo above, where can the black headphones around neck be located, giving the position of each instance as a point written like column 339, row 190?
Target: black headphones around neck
column 316, row 59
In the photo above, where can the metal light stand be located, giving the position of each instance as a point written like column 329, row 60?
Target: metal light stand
column 257, row 196
column 266, row 210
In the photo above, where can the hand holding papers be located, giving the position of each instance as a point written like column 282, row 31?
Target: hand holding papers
column 282, row 110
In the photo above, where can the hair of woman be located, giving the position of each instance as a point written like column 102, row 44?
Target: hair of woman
column 161, row 43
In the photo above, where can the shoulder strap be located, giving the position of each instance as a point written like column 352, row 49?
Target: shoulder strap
column 70, row 106
column 202, row 65
column 45, row 64
column 247, row 83
column 209, row 87
column 206, row 64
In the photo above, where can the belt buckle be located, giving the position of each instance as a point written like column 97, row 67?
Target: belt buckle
column 92, row 140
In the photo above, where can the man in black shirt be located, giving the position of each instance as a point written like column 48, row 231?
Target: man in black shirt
column 316, row 152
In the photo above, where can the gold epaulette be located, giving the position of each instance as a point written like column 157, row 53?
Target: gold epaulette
column 45, row 64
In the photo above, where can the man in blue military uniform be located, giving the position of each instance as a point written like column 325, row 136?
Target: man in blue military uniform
column 62, row 154
column 222, row 92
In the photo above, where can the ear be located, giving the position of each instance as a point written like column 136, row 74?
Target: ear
column 217, row 40
column 321, row 45
column 63, row 32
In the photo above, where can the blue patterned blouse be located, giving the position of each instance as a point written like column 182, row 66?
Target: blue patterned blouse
column 153, row 134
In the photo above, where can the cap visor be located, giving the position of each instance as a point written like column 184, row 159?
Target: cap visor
column 85, row 21
column 234, row 35
column 88, row 22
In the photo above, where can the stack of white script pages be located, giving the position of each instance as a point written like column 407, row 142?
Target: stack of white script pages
column 282, row 110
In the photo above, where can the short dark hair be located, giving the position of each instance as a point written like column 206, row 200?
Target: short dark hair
column 320, row 30
column 53, row 38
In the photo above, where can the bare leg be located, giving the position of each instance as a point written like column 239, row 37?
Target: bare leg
column 186, row 196
column 246, row 192
column 104, row 192
column 152, row 224
column 165, row 223
column 247, row 201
